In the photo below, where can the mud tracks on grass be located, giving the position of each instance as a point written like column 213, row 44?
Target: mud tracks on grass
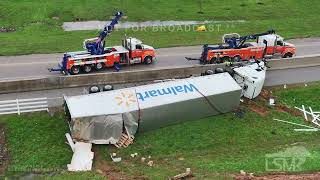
column 3, row 150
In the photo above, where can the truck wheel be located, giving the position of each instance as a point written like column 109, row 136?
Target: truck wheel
column 74, row 70
column 87, row 68
column 287, row 55
column 148, row 60
column 213, row 60
column 98, row 66
column 225, row 59
column 236, row 59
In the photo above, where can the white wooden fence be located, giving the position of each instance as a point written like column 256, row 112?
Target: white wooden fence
column 23, row 105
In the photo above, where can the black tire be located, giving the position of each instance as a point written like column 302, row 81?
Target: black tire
column 236, row 59
column 94, row 89
column 75, row 70
column 148, row 60
column 225, row 59
column 107, row 87
column 213, row 60
column 288, row 55
column 209, row 72
column 99, row 66
column 219, row 70
column 87, row 68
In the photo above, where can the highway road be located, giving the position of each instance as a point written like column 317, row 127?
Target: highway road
column 274, row 77
column 33, row 66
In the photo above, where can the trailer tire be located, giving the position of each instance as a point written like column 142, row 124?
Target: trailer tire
column 75, row 70
column 87, row 68
column 99, row 66
column 288, row 55
column 236, row 59
column 94, row 89
column 148, row 60
column 107, row 87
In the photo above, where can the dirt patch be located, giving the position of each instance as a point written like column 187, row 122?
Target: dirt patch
column 3, row 150
column 104, row 168
column 311, row 176
column 266, row 95
column 283, row 108
column 7, row 29
column 263, row 111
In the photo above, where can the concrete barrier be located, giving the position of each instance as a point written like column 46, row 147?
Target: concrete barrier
column 296, row 62
column 134, row 76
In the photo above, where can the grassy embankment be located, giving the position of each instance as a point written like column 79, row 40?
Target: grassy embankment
column 211, row 147
column 38, row 23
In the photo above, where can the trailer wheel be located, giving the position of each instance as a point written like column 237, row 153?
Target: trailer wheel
column 288, row 55
column 107, row 87
column 237, row 59
column 87, row 68
column 75, row 70
column 148, row 60
column 98, row 66
column 94, row 89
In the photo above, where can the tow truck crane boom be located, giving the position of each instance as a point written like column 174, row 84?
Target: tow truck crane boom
column 235, row 42
column 96, row 45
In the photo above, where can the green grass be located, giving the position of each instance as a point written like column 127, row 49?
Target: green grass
column 38, row 32
column 296, row 97
column 36, row 144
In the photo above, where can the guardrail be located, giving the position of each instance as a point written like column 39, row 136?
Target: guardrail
column 135, row 76
column 19, row 106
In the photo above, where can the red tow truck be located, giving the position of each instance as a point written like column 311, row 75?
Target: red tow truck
column 97, row 56
column 236, row 48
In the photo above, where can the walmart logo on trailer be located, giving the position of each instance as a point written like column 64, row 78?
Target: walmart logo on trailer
column 174, row 90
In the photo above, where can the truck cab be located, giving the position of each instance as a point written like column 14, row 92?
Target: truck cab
column 138, row 52
column 276, row 46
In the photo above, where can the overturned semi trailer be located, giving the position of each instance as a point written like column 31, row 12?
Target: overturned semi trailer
column 101, row 118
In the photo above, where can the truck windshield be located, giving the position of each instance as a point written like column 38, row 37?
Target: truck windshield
column 279, row 43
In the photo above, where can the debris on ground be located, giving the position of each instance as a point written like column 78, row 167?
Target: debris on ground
column 82, row 155
column 134, row 155
column 309, row 128
column 115, row 158
column 184, row 175
column 240, row 113
column 143, row 159
column 243, row 173
column 124, row 141
column 7, row 29
column 150, row 163
column 314, row 115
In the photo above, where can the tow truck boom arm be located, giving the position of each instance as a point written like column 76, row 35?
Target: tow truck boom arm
column 234, row 42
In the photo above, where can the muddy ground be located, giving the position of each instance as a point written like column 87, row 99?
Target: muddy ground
column 3, row 150
column 311, row 176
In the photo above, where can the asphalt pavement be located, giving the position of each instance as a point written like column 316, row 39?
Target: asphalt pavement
column 36, row 65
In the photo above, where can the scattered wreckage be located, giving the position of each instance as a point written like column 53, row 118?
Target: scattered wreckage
column 114, row 117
